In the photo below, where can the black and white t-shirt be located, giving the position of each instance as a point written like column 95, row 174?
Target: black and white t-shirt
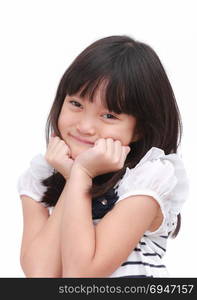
column 158, row 175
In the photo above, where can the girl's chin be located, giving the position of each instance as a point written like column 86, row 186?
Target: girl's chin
column 75, row 153
column 75, row 150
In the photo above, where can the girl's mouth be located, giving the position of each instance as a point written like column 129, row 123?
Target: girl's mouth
column 79, row 139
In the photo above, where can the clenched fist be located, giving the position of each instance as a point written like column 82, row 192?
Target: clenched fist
column 58, row 156
column 106, row 156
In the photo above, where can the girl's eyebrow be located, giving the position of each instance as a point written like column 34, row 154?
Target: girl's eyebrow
column 77, row 97
column 82, row 99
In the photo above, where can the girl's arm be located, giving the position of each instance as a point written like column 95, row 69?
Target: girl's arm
column 78, row 232
column 98, row 251
column 40, row 250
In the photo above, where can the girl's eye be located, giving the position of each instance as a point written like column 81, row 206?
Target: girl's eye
column 109, row 116
column 75, row 103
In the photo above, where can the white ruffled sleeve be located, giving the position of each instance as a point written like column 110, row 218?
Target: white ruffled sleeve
column 164, row 178
column 29, row 182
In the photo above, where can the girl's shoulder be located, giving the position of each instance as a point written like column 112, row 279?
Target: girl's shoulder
column 39, row 167
column 160, row 176
column 157, row 172
column 30, row 181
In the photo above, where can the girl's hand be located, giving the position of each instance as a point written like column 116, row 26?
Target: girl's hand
column 57, row 155
column 106, row 156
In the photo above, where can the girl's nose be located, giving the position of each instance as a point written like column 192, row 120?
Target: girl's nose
column 86, row 126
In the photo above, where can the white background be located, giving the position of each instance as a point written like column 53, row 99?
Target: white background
column 38, row 40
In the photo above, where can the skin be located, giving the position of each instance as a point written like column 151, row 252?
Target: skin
column 92, row 121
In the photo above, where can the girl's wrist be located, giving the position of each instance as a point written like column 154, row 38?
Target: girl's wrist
column 81, row 174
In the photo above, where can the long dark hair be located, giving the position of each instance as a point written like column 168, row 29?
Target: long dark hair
column 136, row 84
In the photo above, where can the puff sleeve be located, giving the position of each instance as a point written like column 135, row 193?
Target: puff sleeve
column 29, row 182
column 161, row 176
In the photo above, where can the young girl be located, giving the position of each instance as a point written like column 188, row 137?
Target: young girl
column 107, row 194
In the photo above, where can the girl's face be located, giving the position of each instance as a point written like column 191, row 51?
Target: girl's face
column 81, row 123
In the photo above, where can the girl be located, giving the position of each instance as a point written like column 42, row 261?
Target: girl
column 107, row 194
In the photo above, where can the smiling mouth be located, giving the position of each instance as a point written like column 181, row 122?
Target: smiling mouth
column 81, row 140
